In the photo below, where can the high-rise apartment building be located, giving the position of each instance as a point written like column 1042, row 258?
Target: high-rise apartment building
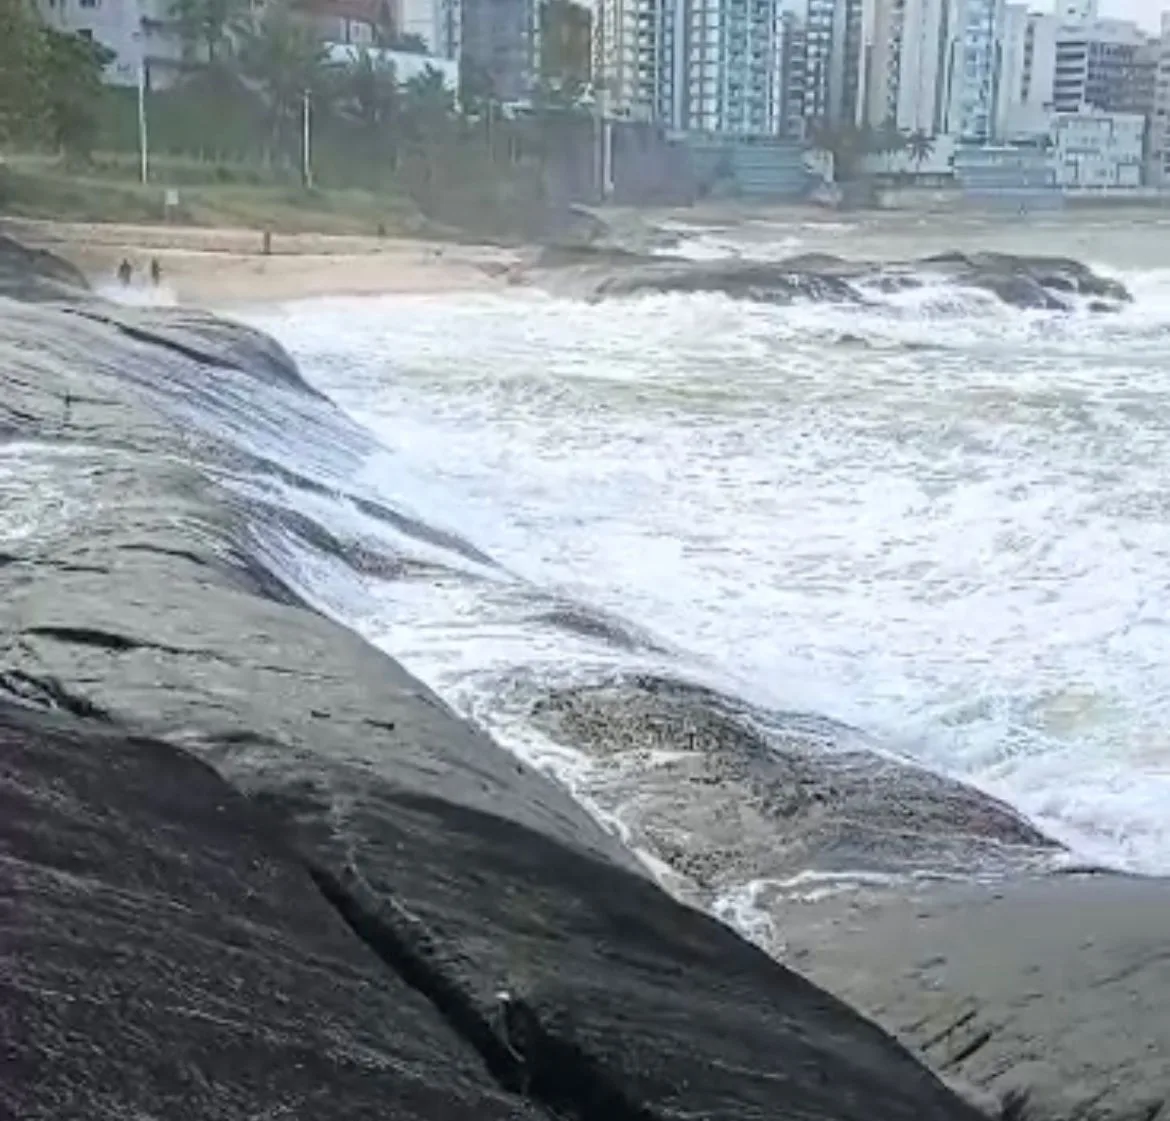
column 1160, row 120
column 1027, row 73
column 911, row 57
column 975, row 69
column 834, row 62
column 500, row 38
column 791, row 51
column 693, row 65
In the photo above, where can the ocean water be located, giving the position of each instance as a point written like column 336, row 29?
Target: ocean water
column 937, row 520
column 940, row 520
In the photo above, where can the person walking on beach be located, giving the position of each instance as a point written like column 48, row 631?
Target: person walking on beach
column 155, row 271
column 125, row 271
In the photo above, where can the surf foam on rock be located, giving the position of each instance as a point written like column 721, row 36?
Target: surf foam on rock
column 1042, row 283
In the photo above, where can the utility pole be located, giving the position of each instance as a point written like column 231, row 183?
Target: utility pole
column 143, row 147
column 306, row 160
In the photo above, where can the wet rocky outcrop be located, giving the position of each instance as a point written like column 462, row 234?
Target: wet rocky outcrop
column 728, row 795
column 1042, row 283
column 1040, row 989
column 251, row 868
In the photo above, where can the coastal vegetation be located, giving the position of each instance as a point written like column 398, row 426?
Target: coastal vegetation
column 234, row 123
column 849, row 144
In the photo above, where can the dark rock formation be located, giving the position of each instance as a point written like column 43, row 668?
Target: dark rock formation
column 1046, row 283
column 36, row 275
column 369, row 909
column 1049, row 994
column 165, row 954
column 725, row 795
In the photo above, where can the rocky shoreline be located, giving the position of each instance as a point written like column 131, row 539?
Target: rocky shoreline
column 1034, row 985
column 1035, row 283
column 254, row 869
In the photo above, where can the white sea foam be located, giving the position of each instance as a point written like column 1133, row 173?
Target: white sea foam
column 948, row 528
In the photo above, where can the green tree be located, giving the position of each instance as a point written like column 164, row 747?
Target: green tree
column 920, row 146
column 208, row 23
column 285, row 59
column 428, row 132
column 365, row 94
column 477, row 88
column 428, row 105
column 73, row 68
column 23, row 88
column 846, row 143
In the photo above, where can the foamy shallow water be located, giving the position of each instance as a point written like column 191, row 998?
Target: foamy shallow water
column 943, row 521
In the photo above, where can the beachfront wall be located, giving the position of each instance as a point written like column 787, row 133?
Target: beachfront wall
column 752, row 167
column 649, row 168
column 1018, row 177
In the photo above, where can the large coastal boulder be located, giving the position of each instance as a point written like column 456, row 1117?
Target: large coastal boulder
column 166, row 954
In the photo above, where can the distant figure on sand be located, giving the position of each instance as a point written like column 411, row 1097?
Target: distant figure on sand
column 155, row 271
column 125, row 271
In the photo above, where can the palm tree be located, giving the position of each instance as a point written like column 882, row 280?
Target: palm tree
column 920, row 146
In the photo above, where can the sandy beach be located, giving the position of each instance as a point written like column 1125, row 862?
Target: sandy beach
column 216, row 267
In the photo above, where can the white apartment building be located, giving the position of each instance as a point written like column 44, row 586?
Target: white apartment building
column 1159, row 161
column 1024, row 101
column 1103, row 64
column 910, row 65
column 139, row 32
column 628, row 54
column 1098, row 151
column 407, row 65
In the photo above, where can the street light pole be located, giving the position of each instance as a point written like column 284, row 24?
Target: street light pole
column 306, row 157
column 143, row 145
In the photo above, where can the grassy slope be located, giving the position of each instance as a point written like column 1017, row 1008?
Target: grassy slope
column 46, row 191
